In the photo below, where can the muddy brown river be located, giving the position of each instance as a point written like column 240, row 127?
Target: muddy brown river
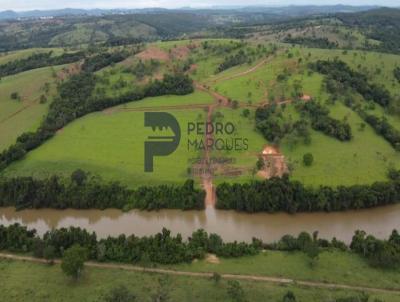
column 229, row 224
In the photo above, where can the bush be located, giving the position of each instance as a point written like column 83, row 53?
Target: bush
column 308, row 159
column 119, row 294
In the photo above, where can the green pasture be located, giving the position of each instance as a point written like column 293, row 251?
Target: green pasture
column 111, row 144
column 16, row 116
column 244, row 130
column 332, row 266
column 19, row 285
column 363, row 160
column 253, row 87
column 377, row 66
column 9, row 56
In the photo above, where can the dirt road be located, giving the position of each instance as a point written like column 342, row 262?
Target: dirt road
column 268, row 279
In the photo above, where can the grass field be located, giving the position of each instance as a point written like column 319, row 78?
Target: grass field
column 331, row 267
column 104, row 137
column 243, row 159
column 111, row 144
column 22, row 54
column 16, row 116
column 18, row 284
column 364, row 159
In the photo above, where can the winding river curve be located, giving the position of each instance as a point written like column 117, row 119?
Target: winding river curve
column 229, row 224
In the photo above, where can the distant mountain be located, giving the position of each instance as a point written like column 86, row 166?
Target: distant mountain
column 292, row 11
column 8, row 14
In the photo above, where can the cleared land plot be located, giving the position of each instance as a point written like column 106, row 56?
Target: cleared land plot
column 111, row 144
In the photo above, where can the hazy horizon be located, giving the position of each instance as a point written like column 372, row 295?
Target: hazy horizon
column 22, row 5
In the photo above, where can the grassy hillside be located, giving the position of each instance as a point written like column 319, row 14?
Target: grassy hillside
column 19, row 116
column 111, row 144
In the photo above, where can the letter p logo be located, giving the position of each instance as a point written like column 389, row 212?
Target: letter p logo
column 160, row 145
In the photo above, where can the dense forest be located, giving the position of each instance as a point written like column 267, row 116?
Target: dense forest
column 83, row 191
column 281, row 194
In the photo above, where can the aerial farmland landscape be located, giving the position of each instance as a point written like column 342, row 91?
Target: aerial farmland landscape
column 200, row 151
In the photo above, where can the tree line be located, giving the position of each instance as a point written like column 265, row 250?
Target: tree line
column 84, row 192
column 379, row 253
column 162, row 248
column 311, row 42
column 75, row 98
column 101, row 60
column 383, row 128
column 281, row 194
column 39, row 60
column 339, row 71
column 233, row 60
column 396, row 73
column 321, row 121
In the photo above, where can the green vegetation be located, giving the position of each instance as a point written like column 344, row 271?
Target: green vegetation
column 38, row 60
column 73, row 261
column 111, row 145
column 83, row 192
column 326, row 112
column 26, row 115
column 281, row 194
column 304, row 257
column 97, row 284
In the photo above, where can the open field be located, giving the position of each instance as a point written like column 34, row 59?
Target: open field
column 111, row 144
column 17, row 116
column 362, row 160
column 331, row 267
column 22, row 54
column 18, row 285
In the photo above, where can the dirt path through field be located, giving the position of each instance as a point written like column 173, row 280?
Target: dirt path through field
column 268, row 279
column 207, row 167
column 28, row 105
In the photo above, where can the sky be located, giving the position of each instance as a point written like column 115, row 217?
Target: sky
column 22, row 5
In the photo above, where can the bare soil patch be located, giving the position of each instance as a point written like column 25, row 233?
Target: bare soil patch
column 153, row 53
column 274, row 163
column 211, row 258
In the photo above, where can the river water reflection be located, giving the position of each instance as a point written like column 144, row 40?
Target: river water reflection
column 229, row 224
